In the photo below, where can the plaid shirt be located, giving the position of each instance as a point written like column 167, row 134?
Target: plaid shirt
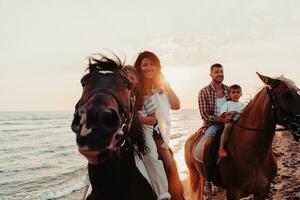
column 207, row 100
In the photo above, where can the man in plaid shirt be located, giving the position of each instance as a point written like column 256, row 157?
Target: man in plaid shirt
column 211, row 98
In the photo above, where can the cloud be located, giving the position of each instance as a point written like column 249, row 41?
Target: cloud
column 198, row 49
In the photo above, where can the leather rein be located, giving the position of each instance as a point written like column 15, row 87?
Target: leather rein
column 291, row 121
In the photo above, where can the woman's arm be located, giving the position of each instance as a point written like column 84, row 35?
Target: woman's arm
column 173, row 99
column 148, row 120
column 162, row 85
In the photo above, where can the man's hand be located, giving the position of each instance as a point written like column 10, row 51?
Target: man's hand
column 90, row 155
column 228, row 117
column 233, row 113
column 220, row 119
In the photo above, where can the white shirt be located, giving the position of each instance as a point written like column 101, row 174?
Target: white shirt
column 147, row 109
column 163, row 116
column 220, row 103
column 232, row 106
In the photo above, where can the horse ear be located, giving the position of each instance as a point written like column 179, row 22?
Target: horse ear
column 265, row 79
column 268, row 81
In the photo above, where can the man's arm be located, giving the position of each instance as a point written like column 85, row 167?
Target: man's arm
column 204, row 107
column 220, row 119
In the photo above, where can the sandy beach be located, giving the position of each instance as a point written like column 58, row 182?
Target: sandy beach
column 286, row 185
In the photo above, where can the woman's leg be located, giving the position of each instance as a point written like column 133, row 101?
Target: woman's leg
column 155, row 169
column 175, row 186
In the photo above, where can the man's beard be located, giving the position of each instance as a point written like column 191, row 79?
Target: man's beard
column 218, row 81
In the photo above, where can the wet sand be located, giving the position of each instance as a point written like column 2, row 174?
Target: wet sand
column 286, row 185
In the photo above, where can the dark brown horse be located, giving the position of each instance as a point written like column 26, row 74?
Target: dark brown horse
column 104, row 122
column 251, row 165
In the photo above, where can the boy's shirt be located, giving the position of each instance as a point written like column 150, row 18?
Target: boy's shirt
column 232, row 106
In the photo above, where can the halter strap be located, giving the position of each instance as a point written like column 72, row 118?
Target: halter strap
column 126, row 117
column 275, row 107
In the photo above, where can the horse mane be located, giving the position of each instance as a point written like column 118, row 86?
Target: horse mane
column 289, row 83
column 103, row 63
column 249, row 104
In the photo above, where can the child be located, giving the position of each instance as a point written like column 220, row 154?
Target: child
column 154, row 166
column 230, row 109
column 132, row 75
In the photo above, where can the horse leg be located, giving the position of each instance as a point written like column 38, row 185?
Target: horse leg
column 196, row 178
column 201, row 179
column 193, row 179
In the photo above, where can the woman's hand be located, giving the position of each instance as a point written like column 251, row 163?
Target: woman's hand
column 90, row 155
column 161, row 85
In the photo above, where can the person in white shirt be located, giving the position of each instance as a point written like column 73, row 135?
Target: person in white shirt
column 230, row 109
column 151, row 88
column 147, row 116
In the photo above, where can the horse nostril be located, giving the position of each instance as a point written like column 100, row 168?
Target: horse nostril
column 109, row 118
column 75, row 126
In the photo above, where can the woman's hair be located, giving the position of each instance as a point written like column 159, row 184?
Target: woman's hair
column 137, row 65
column 151, row 56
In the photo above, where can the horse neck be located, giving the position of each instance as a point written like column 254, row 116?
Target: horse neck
column 259, row 115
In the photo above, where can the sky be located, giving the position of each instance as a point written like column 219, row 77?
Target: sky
column 44, row 44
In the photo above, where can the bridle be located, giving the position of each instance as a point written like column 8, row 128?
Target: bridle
column 125, row 114
column 291, row 121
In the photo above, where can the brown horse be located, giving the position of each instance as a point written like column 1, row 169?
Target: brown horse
column 104, row 122
column 251, row 166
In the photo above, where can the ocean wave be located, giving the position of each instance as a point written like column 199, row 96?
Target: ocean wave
column 38, row 155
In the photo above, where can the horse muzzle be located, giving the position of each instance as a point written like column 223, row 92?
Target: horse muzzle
column 87, row 119
column 294, row 127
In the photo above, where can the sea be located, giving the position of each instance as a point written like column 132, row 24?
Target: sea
column 39, row 159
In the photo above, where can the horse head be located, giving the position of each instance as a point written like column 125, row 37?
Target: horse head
column 104, row 113
column 285, row 99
